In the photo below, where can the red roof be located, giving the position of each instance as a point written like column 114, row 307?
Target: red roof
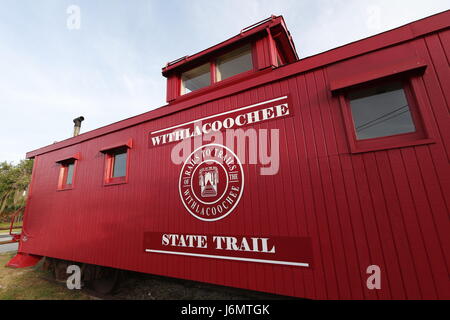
column 274, row 23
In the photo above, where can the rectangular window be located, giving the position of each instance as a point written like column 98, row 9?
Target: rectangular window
column 196, row 78
column 66, row 174
column 234, row 62
column 120, row 164
column 382, row 115
column 117, row 163
column 70, row 169
column 227, row 65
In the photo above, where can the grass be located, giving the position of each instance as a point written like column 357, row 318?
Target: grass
column 6, row 225
column 30, row 284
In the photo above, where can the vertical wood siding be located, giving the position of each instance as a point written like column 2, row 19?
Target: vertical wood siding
column 389, row 208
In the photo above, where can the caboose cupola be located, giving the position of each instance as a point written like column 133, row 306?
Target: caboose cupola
column 264, row 45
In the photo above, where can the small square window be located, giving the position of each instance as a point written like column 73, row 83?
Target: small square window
column 382, row 115
column 381, row 111
column 234, row 62
column 196, row 78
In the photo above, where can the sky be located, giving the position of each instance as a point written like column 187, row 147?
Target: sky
column 102, row 59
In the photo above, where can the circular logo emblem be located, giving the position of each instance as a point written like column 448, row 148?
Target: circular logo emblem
column 211, row 182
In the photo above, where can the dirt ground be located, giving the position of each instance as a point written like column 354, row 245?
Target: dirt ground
column 33, row 283
column 139, row 286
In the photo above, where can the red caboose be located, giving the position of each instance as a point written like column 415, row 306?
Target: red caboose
column 267, row 172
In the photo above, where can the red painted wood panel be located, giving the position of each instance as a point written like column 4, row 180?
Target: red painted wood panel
column 389, row 208
column 173, row 88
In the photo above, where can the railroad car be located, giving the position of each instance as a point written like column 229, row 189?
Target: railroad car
column 325, row 177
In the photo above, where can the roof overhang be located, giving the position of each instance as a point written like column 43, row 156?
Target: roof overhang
column 275, row 25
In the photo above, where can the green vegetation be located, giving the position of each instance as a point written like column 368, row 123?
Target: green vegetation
column 30, row 284
column 27, row 283
column 14, row 181
column 4, row 231
column 7, row 224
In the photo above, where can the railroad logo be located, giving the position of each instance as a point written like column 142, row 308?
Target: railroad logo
column 211, row 182
column 208, row 181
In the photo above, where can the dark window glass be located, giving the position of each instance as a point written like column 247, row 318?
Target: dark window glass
column 381, row 111
column 196, row 78
column 120, row 165
column 70, row 168
column 234, row 62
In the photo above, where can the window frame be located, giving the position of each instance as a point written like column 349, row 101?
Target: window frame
column 213, row 70
column 215, row 65
column 63, row 172
column 183, row 88
column 419, row 137
column 110, row 152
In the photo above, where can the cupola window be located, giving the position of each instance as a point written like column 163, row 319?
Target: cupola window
column 225, row 66
column 196, row 78
column 234, row 62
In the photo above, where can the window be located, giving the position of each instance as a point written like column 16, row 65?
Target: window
column 66, row 174
column 218, row 69
column 381, row 111
column 382, row 115
column 70, row 169
column 117, row 163
column 234, row 62
column 196, row 78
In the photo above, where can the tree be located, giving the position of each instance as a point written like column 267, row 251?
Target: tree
column 14, row 181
